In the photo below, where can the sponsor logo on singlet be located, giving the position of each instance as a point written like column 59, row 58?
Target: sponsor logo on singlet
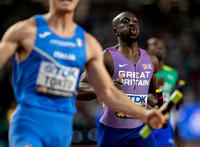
column 63, row 43
column 44, row 34
column 141, row 100
column 59, row 81
column 122, row 65
column 78, row 43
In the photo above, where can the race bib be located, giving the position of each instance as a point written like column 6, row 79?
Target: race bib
column 141, row 100
column 54, row 80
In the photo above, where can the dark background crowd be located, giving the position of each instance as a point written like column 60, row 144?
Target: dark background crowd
column 176, row 21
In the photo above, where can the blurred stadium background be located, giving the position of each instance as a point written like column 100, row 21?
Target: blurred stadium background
column 177, row 21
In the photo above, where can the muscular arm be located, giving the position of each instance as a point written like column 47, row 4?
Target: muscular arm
column 99, row 78
column 9, row 44
column 86, row 91
column 153, row 85
column 18, row 39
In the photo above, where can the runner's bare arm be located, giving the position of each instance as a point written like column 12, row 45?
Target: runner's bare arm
column 86, row 91
column 99, row 78
column 9, row 44
column 153, row 85
column 17, row 39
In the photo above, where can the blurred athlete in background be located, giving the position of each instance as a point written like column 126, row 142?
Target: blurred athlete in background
column 188, row 126
column 138, row 71
column 51, row 51
column 167, row 80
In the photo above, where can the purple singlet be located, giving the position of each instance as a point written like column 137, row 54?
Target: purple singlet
column 136, row 79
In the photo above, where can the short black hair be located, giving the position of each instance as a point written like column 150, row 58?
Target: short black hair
column 154, row 36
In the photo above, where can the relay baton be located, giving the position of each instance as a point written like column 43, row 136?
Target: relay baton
column 159, row 96
column 181, row 85
column 174, row 99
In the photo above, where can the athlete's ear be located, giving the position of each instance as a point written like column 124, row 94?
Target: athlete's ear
column 115, row 32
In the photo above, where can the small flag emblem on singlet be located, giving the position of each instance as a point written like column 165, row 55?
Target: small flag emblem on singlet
column 147, row 66
column 79, row 42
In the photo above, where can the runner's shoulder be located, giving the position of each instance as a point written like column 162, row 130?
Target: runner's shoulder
column 108, row 61
column 170, row 69
column 155, row 62
column 166, row 67
column 24, row 25
column 20, row 29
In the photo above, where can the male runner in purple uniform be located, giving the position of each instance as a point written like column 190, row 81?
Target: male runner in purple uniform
column 138, row 71
column 50, row 49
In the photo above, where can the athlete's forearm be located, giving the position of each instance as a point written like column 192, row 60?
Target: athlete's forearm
column 152, row 101
column 85, row 92
column 119, row 102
